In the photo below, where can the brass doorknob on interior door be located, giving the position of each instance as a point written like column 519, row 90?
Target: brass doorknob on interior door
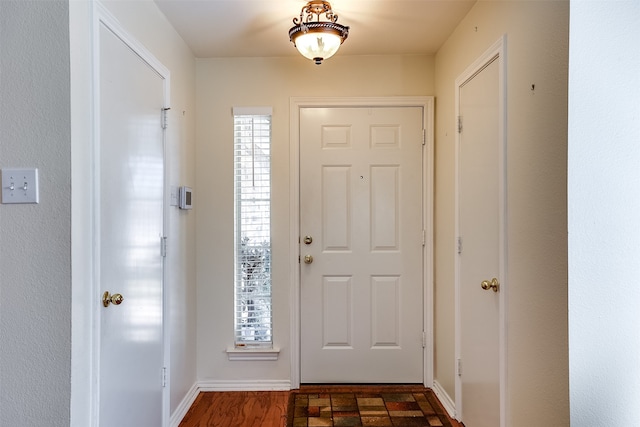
column 493, row 284
column 308, row 259
column 115, row 299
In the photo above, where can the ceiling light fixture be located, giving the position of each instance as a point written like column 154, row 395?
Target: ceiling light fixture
column 316, row 39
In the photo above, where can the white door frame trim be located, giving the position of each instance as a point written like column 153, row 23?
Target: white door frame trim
column 296, row 103
column 496, row 52
column 102, row 17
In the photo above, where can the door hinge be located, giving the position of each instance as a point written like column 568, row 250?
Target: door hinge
column 424, row 137
column 163, row 246
column 164, row 377
column 459, row 367
column 459, row 245
column 165, row 119
column 459, row 124
column 424, row 339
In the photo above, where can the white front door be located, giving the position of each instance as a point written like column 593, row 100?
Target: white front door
column 480, row 219
column 361, row 228
column 129, row 221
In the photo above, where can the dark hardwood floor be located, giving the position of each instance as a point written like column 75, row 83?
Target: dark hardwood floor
column 253, row 408
column 238, row 408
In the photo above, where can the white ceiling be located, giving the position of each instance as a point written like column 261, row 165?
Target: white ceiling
column 228, row 28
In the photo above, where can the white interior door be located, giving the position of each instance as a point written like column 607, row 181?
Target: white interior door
column 130, row 225
column 480, row 219
column 361, row 208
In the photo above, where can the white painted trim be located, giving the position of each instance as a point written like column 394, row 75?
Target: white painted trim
column 184, row 406
column 253, row 354
column 102, row 17
column 445, row 399
column 295, row 104
column 253, row 111
column 105, row 17
column 497, row 50
column 82, row 387
column 504, row 237
column 253, row 385
column 294, row 233
column 428, row 186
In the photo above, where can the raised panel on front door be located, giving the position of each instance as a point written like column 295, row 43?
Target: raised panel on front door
column 384, row 208
column 337, row 311
column 385, row 311
column 336, row 136
column 385, row 136
column 336, row 208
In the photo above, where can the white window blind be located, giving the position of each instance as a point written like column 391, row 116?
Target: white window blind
column 252, row 171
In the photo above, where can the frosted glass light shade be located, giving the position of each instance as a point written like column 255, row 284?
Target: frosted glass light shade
column 316, row 39
column 318, row 45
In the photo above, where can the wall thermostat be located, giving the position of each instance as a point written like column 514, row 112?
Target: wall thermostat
column 185, row 199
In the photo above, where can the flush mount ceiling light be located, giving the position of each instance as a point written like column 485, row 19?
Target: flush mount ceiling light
column 316, row 39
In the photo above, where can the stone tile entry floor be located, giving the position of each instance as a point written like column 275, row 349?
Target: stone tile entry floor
column 366, row 408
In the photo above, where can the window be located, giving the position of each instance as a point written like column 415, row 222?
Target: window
column 252, row 173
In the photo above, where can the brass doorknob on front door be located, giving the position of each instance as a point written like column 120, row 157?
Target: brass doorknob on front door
column 307, row 240
column 493, row 284
column 115, row 299
column 308, row 259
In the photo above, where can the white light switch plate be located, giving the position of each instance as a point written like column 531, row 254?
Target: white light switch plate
column 173, row 200
column 20, row 185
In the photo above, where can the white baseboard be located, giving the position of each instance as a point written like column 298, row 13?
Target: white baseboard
column 259, row 385
column 183, row 407
column 270, row 385
column 445, row 399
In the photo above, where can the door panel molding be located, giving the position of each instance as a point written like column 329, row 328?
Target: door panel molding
column 497, row 52
column 297, row 103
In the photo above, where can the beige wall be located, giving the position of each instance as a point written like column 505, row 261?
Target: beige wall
column 222, row 84
column 536, row 283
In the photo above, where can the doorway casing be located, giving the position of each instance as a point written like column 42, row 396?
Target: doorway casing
column 427, row 104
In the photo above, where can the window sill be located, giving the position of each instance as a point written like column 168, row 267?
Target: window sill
column 250, row 354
